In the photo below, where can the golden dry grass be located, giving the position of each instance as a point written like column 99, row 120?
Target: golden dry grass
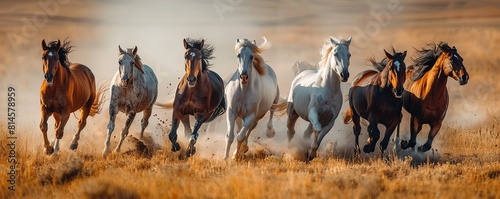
column 467, row 167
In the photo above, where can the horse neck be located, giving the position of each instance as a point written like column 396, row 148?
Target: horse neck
column 62, row 76
column 329, row 74
column 436, row 79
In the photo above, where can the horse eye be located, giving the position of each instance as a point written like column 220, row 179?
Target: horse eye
column 132, row 63
column 238, row 56
column 335, row 54
column 348, row 55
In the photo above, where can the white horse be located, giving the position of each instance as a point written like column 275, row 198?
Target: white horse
column 315, row 95
column 134, row 89
column 251, row 92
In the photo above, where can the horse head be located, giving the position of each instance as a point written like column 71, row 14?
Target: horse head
column 193, row 65
column 395, row 72
column 245, row 56
column 453, row 65
column 50, row 60
column 341, row 56
column 126, row 61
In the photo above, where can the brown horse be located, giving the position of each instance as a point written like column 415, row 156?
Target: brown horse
column 426, row 96
column 376, row 96
column 65, row 89
column 200, row 93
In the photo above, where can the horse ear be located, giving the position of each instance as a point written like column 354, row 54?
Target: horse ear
column 404, row 55
column 44, row 45
column 348, row 41
column 134, row 52
column 58, row 45
column 186, row 44
column 388, row 55
column 120, row 50
column 201, row 44
column 238, row 41
column 254, row 42
column 333, row 41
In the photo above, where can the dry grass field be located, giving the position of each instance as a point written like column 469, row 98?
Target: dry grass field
column 464, row 161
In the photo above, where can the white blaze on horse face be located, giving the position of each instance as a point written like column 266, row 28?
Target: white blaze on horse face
column 397, row 65
column 50, row 54
column 192, row 54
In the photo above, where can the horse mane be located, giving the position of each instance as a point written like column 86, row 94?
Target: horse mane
column 426, row 58
column 206, row 52
column 326, row 49
column 258, row 61
column 137, row 59
column 63, row 51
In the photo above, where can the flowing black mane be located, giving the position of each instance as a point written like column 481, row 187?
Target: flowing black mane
column 207, row 51
column 426, row 58
column 63, row 52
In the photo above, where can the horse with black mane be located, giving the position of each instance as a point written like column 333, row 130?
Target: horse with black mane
column 199, row 93
column 66, row 88
column 426, row 96
column 376, row 96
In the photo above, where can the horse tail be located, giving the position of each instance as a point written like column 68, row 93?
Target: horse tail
column 168, row 105
column 98, row 100
column 348, row 116
column 280, row 107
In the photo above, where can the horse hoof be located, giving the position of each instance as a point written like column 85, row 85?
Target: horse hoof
column 404, row 144
column 190, row 151
column 73, row 146
column 49, row 150
column 310, row 155
column 424, row 148
column 176, row 147
column 368, row 149
column 244, row 149
column 270, row 133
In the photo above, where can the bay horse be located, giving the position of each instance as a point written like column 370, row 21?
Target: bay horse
column 66, row 88
column 376, row 97
column 199, row 93
column 251, row 93
column 426, row 96
column 315, row 95
column 134, row 89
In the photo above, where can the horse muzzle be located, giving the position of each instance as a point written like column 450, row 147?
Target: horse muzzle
column 244, row 79
column 344, row 76
column 191, row 81
column 124, row 83
column 462, row 80
column 49, row 78
column 398, row 93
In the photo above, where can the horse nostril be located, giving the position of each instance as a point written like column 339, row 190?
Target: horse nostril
column 191, row 79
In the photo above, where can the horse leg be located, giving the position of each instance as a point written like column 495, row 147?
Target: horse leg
column 85, row 111
column 316, row 125
column 270, row 130
column 231, row 118
column 113, row 110
column 248, row 122
column 308, row 132
column 357, row 131
column 290, row 123
column 187, row 126
column 60, row 130
column 173, row 134
column 128, row 122
column 374, row 135
column 415, row 128
column 397, row 140
column 191, row 149
column 318, row 137
column 387, row 136
column 435, row 127
column 43, row 127
column 145, row 119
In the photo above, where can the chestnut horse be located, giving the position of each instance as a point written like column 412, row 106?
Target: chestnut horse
column 376, row 97
column 65, row 89
column 426, row 96
column 200, row 93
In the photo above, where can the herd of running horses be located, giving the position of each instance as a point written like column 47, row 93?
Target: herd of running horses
column 377, row 96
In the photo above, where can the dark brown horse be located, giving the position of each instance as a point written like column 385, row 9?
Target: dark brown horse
column 426, row 96
column 200, row 93
column 376, row 96
column 66, row 88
